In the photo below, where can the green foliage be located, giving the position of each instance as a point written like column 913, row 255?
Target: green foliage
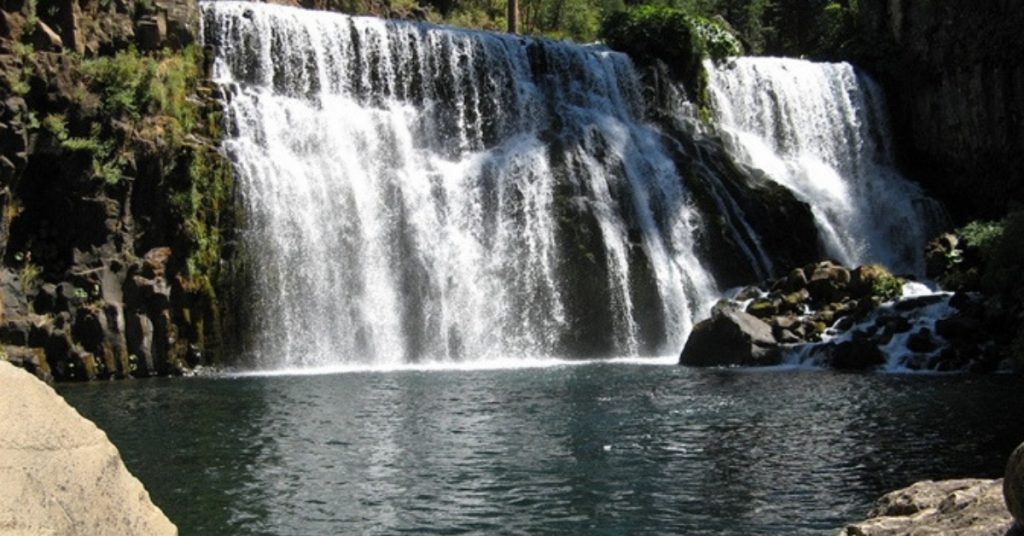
column 716, row 41
column 57, row 126
column 983, row 235
column 1001, row 247
column 150, row 93
column 649, row 33
column 133, row 85
column 29, row 275
column 682, row 41
column 887, row 286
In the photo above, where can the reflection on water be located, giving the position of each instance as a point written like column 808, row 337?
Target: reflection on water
column 592, row 449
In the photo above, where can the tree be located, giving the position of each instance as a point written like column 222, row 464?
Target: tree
column 513, row 16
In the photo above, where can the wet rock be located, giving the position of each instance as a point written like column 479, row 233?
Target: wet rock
column 828, row 282
column 940, row 254
column 967, row 507
column 922, row 342
column 958, row 327
column 59, row 474
column 919, row 302
column 794, row 301
column 731, row 337
column 968, row 303
column 867, row 279
column 1013, row 484
column 858, row 354
column 796, row 280
column 763, row 308
column 748, row 293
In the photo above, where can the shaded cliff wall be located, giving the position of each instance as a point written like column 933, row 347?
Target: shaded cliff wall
column 955, row 79
column 116, row 203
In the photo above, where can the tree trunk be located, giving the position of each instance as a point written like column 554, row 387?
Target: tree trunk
column 513, row 16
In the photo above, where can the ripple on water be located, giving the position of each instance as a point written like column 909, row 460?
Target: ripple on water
column 591, row 448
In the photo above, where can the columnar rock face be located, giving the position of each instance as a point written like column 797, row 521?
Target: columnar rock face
column 109, row 213
column 952, row 71
column 967, row 507
column 59, row 474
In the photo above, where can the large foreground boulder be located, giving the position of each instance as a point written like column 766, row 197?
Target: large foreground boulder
column 731, row 337
column 59, row 474
column 967, row 507
column 1013, row 484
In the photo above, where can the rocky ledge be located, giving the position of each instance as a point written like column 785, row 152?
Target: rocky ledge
column 968, row 507
column 59, row 474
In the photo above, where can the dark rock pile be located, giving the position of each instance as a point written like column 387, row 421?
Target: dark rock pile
column 841, row 318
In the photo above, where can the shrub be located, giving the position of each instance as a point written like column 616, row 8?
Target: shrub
column 653, row 33
column 887, row 286
column 648, row 33
column 682, row 41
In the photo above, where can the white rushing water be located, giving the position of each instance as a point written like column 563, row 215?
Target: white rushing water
column 821, row 130
column 402, row 196
column 422, row 194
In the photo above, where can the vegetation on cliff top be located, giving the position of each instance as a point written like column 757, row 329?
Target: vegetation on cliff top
column 772, row 27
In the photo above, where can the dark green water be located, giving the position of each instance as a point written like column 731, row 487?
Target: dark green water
column 589, row 449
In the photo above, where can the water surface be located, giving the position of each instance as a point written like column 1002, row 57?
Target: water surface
column 599, row 448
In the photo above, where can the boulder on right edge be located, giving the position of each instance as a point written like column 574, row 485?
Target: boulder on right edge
column 731, row 337
column 1013, row 485
column 59, row 474
column 966, row 507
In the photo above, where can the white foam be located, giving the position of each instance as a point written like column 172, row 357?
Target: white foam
column 506, row 363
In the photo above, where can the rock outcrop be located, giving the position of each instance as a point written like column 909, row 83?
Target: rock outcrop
column 968, row 507
column 59, row 474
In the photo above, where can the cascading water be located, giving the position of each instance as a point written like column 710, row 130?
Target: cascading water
column 821, row 130
column 421, row 193
column 412, row 191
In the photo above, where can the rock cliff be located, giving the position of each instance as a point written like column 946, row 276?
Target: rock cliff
column 956, row 85
column 116, row 203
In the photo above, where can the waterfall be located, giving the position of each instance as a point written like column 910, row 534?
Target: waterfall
column 417, row 193
column 413, row 193
column 821, row 130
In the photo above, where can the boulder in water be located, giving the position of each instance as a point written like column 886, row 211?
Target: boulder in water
column 59, row 474
column 731, row 337
column 858, row 354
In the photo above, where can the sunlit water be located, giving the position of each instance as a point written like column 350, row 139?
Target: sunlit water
column 595, row 448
